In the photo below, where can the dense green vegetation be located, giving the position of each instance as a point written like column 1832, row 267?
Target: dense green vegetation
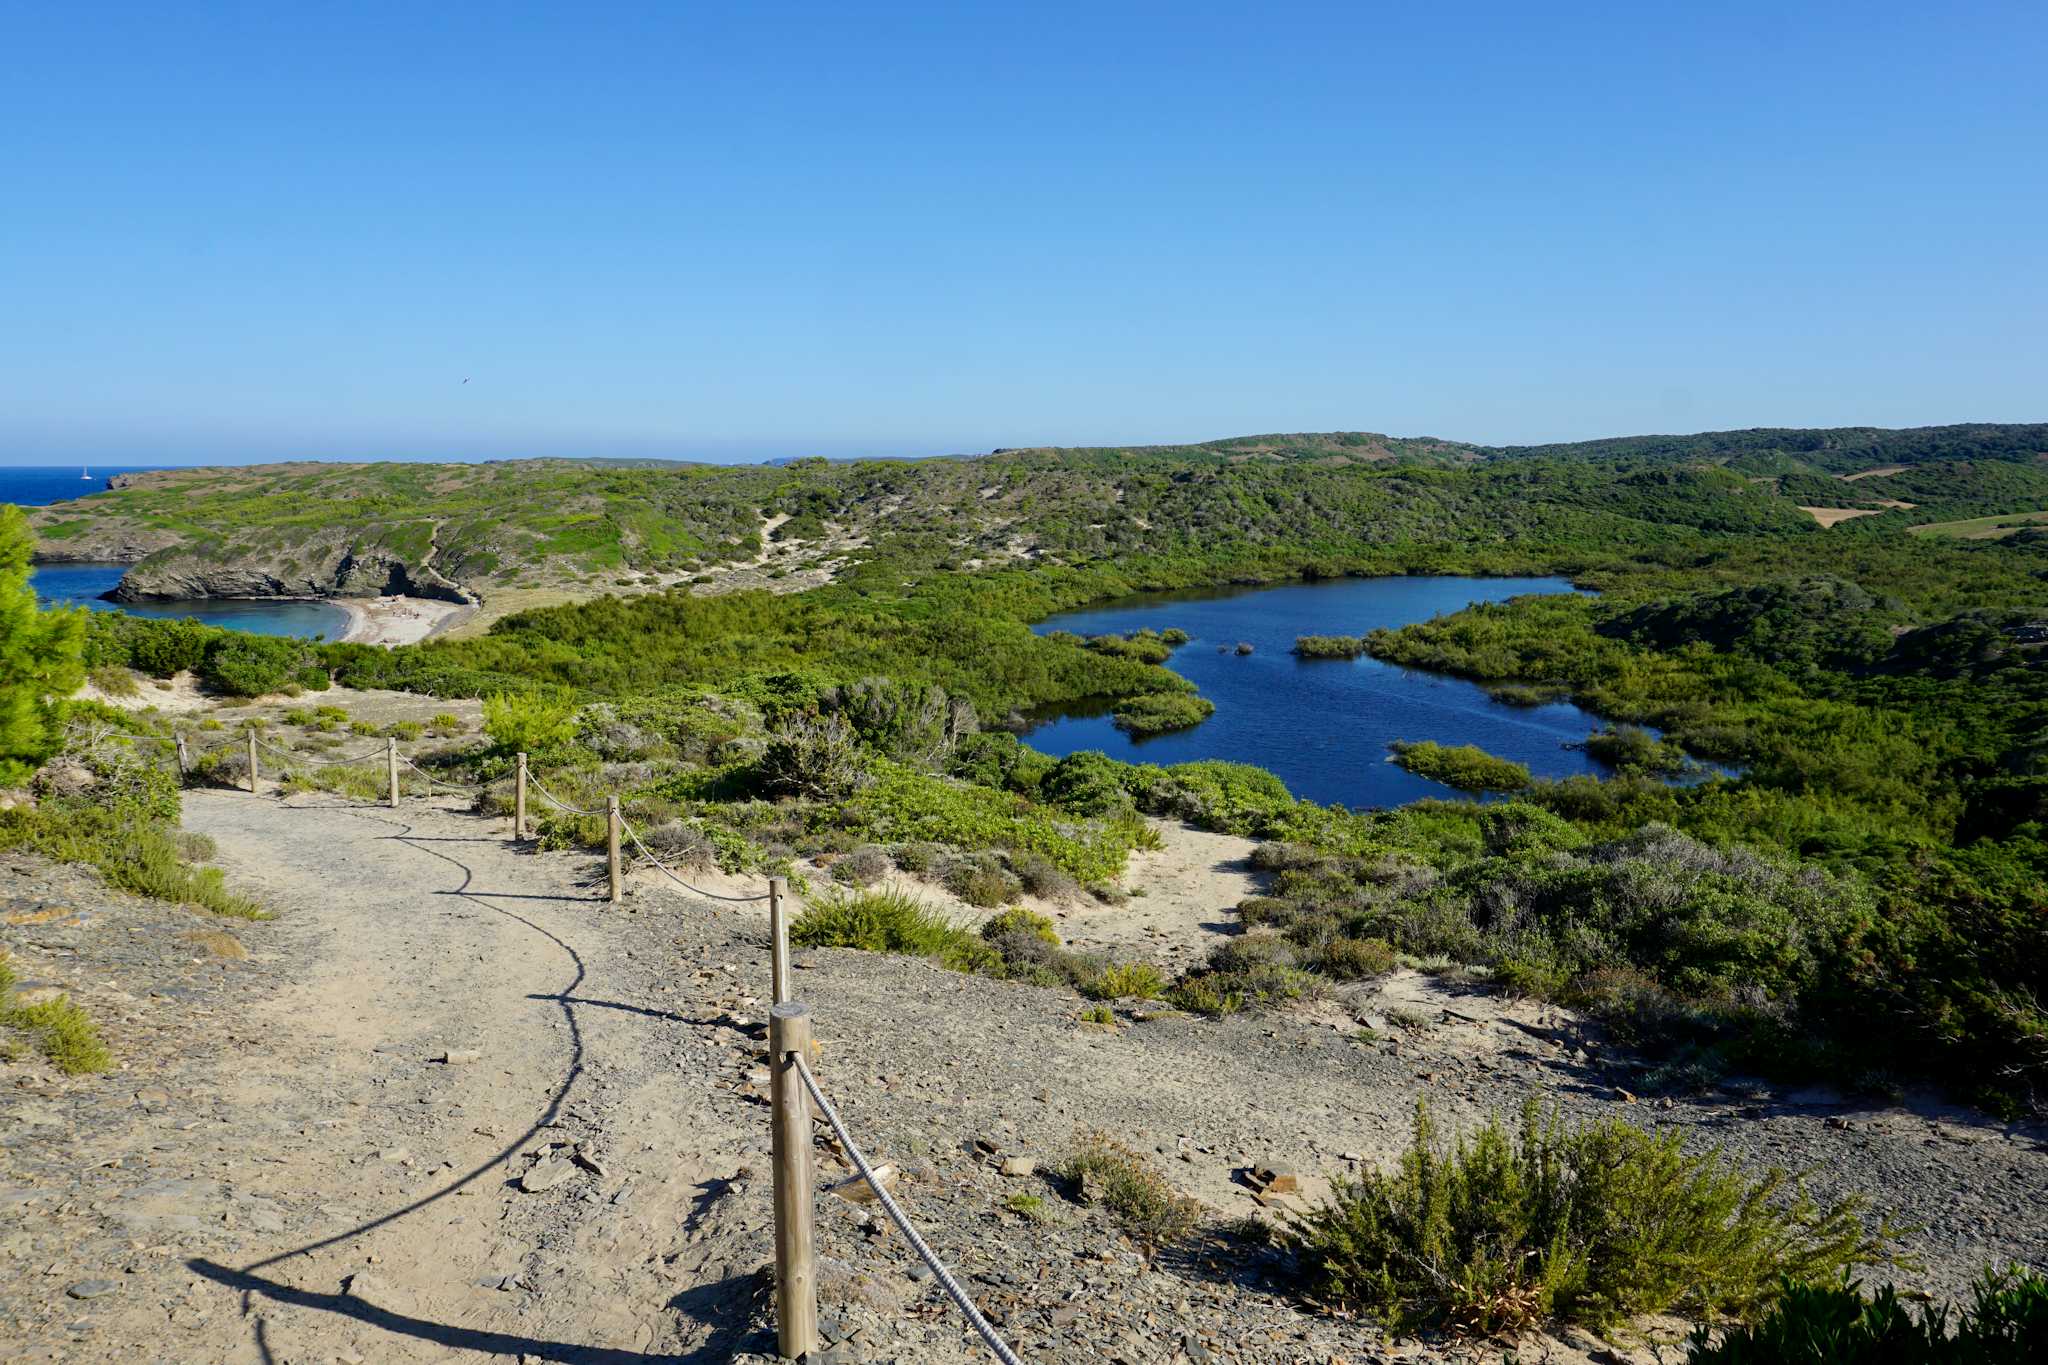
column 2006, row 1321
column 1874, row 871
column 1465, row 766
column 39, row 658
column 1598, row 1223
column 1329, row 646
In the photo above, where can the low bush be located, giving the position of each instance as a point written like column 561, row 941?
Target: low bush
column 864, row 866
column 1128, row 981
column 253, row 665
column 1046, row 879
column 1329, row 646
column 1595, row 1223
column 1105, row 1172
column 115, row 681
column 62, row 1032
column 817, row 757
column 131, row 853
column 1158, row 713
column 1466, row 766
column 890, row 922
column 983, row 882
column 526, row 722
column 1018, row 920
column 2005, row 1322
column 1632, row 749
column 445, row 724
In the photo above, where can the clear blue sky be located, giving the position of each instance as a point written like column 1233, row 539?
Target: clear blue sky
column 233, row 232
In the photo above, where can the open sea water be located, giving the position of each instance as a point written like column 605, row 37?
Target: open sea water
column 84, row 585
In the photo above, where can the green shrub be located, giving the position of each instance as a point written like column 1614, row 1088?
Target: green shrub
column 813, row 756
column 890, row 922
column 407, row 730
column 864, row 866
column 1466, row 767
column 1018, row 920
column 1630, row 748
column 62, row 1032
column 445, row 724
column 115, row 681
column 1835, row 1324
column 130, row 852
column 1086, row 783
column 1354, row 959
column 41, row 658
column 1105, row 1172
column 1203, row 995
column 1044, row 878
column 527, row 722
column 1158, row 713
column 1329, row 646
column 1596, row 1223
column 983, row 883
column 1128, row 981
column 251, row 665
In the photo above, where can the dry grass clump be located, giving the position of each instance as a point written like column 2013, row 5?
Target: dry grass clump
column 1106, row 1173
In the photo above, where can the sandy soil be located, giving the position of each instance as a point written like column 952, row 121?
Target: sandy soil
column 1830, row 516
column 1182, row 897
column 1877, row 473
column 297, row 1175
column 400, row 620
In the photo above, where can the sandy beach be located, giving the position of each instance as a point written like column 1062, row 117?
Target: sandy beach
column 398, row 620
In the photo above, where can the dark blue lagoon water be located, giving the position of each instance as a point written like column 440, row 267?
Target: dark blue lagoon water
column 1323, row 725
column 82, row 585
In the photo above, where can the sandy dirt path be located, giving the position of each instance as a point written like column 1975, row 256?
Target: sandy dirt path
column 390, row 1221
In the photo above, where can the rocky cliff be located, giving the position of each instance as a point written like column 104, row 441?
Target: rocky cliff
column 341, row 573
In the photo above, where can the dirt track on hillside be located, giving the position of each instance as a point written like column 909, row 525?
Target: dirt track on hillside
column 301, row 1180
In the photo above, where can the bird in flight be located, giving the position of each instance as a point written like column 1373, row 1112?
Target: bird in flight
column 465, row 381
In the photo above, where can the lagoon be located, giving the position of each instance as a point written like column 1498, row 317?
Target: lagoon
column 1322, row 725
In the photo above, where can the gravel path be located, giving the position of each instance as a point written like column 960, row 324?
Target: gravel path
column 288, row 1173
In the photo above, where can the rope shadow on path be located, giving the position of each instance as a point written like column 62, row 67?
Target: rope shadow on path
column 249, row 1283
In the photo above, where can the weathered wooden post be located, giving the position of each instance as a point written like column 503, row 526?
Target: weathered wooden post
column 519, row 800
column 252, row 762
column 611, row 820
column 184, row 758
column 796, row 1272
column 778, row 938
column 391, row 763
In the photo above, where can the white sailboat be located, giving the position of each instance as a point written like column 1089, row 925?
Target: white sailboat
column 85, row 473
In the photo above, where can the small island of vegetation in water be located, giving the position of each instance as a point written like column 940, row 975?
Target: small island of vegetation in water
column 1466, row 766
column 1329, row 646
column 1157, row 713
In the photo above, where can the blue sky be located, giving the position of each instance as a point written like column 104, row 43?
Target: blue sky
column 233, row 232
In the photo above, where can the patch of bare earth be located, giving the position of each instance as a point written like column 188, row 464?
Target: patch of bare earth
column 1832, row 516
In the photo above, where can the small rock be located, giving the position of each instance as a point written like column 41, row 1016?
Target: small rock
column 91, row 1289
column 1019, row 1165
column 460, row 1056
column 857, row 1190
column 546, row 1174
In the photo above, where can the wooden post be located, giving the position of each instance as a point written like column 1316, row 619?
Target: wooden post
column 519, row 801
column 796, row 1271
column 391, row 762
column 252, row 763
column 611, row 821
column 778, row 937
column 184, row 758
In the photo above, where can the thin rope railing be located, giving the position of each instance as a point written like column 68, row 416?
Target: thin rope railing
column 293, row 756
column 440, row 782
column 634, row 835
column 557, row 802
column 944, row 1276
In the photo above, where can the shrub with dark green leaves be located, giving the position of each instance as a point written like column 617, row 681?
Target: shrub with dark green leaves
column 1086, row 783
column 2005, row 1322
column 1466, row 766
column 889, row 922
column 1594, row 1223
column 252, row 665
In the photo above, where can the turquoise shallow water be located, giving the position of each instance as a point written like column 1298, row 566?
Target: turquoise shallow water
column 1323, row 725
column 80, row 585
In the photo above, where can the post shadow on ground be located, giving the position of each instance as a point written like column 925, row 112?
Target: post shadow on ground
column 730, row 1309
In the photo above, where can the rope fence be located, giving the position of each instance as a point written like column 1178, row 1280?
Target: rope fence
column 798, row 1097
column 918, row 1244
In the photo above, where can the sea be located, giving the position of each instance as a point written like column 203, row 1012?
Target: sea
column 86, row 585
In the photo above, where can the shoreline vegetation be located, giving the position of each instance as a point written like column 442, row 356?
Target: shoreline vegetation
column 1861, row 902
